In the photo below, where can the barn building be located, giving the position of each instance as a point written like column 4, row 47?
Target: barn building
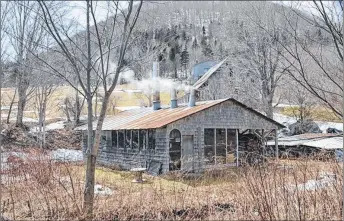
column 192, row 136
column 174, row 137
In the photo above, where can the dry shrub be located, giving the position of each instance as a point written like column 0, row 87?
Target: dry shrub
column 290, row 193
column 41, row 189
column 45, row 190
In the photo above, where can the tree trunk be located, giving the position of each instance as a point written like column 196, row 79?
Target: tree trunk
column 100, row 123
column 11, row 106
column 21, row 104
column 77, row 109
column 44, row 108
column 40, row 123
column 91, row 158
column 90, row 163
column 66, row 108
column 269, row 107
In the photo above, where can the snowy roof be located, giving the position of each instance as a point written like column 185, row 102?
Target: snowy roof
column 322, row 141
column 327, row 143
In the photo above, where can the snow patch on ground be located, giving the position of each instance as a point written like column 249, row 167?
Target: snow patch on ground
column 325, row 180
column 66, row 155
column 102, row 190
column 323, row 125
column 26, row 119
column 284, row 119
column 53, row 126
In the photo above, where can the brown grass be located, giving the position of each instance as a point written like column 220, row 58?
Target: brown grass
column 317, row 113
column 44, row 190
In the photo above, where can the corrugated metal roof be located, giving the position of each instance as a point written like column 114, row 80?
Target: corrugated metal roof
column 331, row 143
column 147, row 118
column 207, row 75
column 323, row 141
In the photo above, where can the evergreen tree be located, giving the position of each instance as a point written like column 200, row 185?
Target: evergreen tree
column 184, row 35
column 172, row 57
column 206, row 48
column 184, row 59
column 221, row 52
column 203, row 30
column 195, row 44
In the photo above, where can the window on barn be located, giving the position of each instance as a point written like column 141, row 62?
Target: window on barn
column 127, row 143
column 103, row 140
column 151, row 139
column 121, row 138
column 143, row 139
column 175, row 150
column 220, row 146
column 209, row 150
column 231, row 145
column 216, row 150
column 114, row 139
column 135, row 139
column 86, row 138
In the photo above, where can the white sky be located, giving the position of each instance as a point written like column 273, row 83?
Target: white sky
column 101, row 8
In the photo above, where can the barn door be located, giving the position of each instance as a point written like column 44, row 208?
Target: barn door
column 187, row 152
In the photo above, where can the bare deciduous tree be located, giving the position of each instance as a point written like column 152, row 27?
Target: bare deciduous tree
column 105, row 56
column 25, row 31
column 314, row 56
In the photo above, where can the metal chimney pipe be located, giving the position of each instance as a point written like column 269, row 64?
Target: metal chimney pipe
column 192, row 99
column 156, row 91
column 173, row 98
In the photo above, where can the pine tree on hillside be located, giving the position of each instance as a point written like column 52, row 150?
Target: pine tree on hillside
column 221, row 51
column 194, row 44
column 184, row 60
column 206, row 48
column 172, row 56
column 184, row 35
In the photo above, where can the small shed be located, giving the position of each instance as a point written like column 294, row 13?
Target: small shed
column 183, row 137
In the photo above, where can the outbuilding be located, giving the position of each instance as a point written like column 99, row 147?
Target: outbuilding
column 189, row 137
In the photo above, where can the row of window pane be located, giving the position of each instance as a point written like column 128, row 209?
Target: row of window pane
column 133, row 139
column 219, row 152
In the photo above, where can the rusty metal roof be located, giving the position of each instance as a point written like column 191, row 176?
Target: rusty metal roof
column 147, row 118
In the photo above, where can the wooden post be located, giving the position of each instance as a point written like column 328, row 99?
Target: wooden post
column 237, row 146
column 147, row 142
column 226, row 146
column 215, row 144
column 117, row 139
column 263, row 142
column 276, row 145
column 138, row 139
column 131, row 139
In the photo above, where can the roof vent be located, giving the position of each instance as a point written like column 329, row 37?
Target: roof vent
column 192, row 99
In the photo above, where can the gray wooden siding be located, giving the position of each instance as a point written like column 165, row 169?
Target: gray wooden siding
column 130, row 158
column 225, row 115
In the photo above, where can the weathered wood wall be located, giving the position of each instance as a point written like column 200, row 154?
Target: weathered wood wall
column 225, row 115
column 128, row 158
